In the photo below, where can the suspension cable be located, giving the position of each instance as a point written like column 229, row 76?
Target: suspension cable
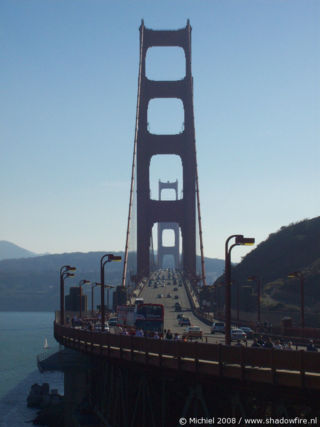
column 196, row 176
column 125, row 263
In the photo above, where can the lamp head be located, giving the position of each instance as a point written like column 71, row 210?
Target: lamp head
column 294, row 274
column 114, row 257
column 247, row 241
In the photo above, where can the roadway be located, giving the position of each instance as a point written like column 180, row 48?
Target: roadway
column 160, row 285
column 164, row 281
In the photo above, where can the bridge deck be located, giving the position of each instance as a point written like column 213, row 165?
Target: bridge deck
column 298, row 369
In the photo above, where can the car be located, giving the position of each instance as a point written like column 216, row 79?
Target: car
column 179, row 316
column 113, row 321
column 98, row 327
column 176, row 297
column 238, row 334
column 248, row 331
column 175, row 289
column 218, row 327
column 184, row 321
column 192, row 332
column 169, row 296
column 159, row 296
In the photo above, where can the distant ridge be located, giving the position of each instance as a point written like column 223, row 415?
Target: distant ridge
column 32, row 284
column 9, row 250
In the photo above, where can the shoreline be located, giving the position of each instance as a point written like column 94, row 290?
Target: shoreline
column 13, row 405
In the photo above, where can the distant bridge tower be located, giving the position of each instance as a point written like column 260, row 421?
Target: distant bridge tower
column 168, row 250
column 183, row 211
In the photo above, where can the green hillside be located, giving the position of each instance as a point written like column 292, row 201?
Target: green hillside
column 32, row 284
column 295, row 247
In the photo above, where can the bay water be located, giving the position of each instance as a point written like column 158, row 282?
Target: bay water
column 22, row 337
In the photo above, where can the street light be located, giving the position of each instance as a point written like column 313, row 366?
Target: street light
column 99, row 284
column 258, row 280
column 299, row 275
column 108, row 287
column 81, row 283
column 239, row 240
column 103, row 261
column 92, row 295
column 218, row 288
column 238, row 299
column 64, row 273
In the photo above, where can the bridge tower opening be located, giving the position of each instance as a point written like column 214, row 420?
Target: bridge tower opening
column 173, row 249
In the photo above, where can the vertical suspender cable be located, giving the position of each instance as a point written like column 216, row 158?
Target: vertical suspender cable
column 125, row 263
column 196, row 176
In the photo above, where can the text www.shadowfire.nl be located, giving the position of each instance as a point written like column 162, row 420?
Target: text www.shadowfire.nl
column 243, row 421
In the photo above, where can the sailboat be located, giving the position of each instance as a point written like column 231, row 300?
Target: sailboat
column 45, row 345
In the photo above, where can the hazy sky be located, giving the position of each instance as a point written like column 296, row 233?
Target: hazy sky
column 67, row 113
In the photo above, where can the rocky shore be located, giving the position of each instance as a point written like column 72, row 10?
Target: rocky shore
column 51, row 405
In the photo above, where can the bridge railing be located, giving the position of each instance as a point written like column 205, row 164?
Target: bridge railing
column 215, row 359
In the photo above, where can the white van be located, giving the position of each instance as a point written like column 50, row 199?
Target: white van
column 218, row 327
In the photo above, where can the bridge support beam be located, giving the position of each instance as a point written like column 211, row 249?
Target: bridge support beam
column 138, row 395
column 75, row 391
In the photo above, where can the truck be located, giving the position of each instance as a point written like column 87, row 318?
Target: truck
column 148, row 317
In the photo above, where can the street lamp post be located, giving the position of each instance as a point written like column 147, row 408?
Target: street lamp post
column 105, row 286
column 219, row 289
column 92, row 295
column 81, row 283
column 64, row 273
column 215, row 296
column 238, row 301
column 239, row 240
column 108, row 287
column 258, row 281
column 299, row 275
column 103, row 261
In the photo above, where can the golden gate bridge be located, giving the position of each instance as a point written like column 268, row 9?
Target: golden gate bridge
column 135, row 381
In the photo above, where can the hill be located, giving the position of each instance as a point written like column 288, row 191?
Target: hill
column 213, row 268
column 295, row 247
column 9, row 250
column 32, row 284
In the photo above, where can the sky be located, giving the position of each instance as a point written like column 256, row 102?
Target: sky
column 69, row 73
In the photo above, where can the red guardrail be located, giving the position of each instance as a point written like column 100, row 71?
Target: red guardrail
column 255, row 364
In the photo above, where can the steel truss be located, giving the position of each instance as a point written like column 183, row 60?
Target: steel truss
column 135, row 396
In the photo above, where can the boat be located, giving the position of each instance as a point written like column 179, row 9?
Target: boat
column 45, row 345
